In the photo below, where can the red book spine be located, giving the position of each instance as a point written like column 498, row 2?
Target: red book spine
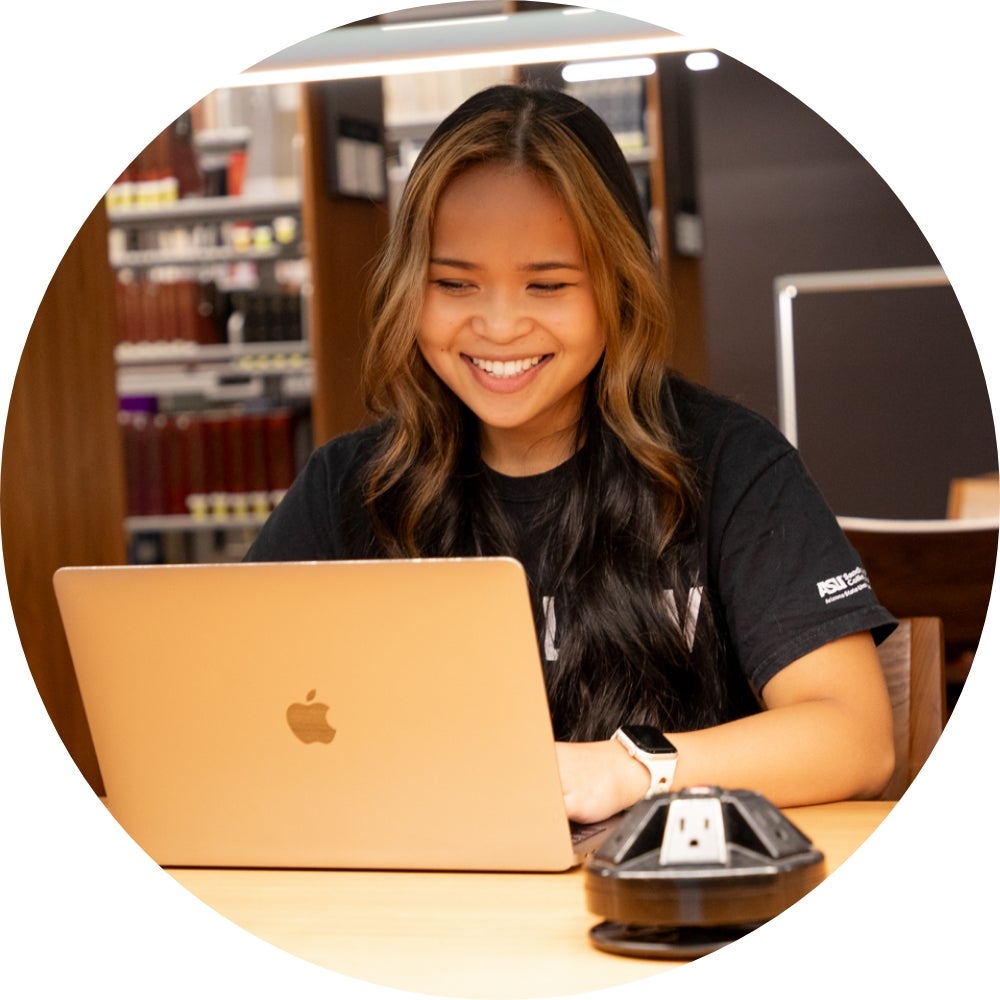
column 192, row 432
column 215, row 466
column 185, row 302
column 255, row 449
column 121, row 310
column 235, row 465
column 128, row 424
column 155, row 465
column 280, row 454
column 170, row 311
column 134, row 292
column 207, row 321
column 175, row 477
column 152, row 327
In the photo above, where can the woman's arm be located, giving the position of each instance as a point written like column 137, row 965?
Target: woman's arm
column 825, row 735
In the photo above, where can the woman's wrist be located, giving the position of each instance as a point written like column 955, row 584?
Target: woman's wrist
column 631, row 777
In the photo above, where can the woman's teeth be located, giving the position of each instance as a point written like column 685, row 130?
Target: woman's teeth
column 506, row 369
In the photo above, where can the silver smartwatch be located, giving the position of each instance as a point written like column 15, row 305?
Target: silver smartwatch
column 652, row 749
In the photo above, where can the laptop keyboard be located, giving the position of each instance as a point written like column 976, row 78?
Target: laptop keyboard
column 581, row 831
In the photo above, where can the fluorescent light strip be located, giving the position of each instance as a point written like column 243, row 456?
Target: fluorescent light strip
column 608, row 69
column 448, row 22
column 518, row 39
column 466, row 60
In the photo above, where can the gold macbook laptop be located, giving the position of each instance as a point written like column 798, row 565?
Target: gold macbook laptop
column 385, row 714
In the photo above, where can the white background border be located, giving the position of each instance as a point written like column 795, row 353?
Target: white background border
column 911, row 84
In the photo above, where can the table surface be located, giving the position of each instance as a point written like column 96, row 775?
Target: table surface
column 487, row 935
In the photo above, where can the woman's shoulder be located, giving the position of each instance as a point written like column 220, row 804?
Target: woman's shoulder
column 707, row 423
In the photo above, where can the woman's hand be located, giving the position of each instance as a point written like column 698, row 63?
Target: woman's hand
column 599, row 779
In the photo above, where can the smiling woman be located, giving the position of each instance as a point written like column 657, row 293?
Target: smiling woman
column 518, row 365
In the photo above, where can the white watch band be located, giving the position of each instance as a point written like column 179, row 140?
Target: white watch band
column 661, row 772
column 661, row 766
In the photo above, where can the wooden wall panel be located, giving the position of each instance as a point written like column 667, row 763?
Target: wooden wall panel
column 343, row 235
column 62, row 480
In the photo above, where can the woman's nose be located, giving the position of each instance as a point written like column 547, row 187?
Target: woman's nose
column 500, row 318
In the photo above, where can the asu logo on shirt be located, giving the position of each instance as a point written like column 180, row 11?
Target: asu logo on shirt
column 836, row 588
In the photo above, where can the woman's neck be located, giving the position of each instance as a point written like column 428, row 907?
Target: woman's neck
column 512, row 455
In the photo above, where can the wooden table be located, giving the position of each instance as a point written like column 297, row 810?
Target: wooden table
column 458, row 933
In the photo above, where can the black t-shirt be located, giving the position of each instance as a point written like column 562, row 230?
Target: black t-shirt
column 781, row 578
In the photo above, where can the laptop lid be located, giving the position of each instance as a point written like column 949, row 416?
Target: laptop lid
column 387, row 714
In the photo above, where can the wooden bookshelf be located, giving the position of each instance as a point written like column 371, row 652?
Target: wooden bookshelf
column 63, row 500
column 63, row 495
column 343, row 234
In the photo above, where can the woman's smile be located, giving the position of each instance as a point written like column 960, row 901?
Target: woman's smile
column 507, row 376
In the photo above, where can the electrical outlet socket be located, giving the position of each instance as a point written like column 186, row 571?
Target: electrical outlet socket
column 694, row 833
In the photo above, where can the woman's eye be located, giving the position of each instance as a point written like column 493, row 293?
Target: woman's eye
column 549, row 287
column 451, row 284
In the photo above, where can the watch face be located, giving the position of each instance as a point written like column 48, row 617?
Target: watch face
column 649, row 739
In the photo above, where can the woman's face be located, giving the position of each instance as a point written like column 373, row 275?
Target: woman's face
column 509, row 320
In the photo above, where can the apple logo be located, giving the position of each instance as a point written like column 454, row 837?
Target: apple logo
column 308, row 720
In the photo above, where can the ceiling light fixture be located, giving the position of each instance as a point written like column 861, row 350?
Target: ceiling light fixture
column 700, row 61
column 444, row 22
column 608, row 69
column 519, row 39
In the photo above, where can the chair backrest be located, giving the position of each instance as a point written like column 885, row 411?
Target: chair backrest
column 913, row 662
column 942, row 568
column 974, row 496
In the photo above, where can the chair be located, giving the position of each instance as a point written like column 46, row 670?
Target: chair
column 974, row 496
column 942, row 568
column 913, row 662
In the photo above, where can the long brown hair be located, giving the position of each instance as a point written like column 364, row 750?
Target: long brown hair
column 553, row 135
column 420, row 489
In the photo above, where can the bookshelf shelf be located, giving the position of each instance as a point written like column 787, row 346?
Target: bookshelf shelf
column 184, row 523
column 272, row 355
column 211, row 386
column 200, row 256
column 203, row 210
column 214, row 387
column 216, row 372
column 208, row 386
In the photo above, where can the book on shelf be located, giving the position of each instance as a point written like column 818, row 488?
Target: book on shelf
column 152, row 310
column 156, row 310
column 215, row 466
